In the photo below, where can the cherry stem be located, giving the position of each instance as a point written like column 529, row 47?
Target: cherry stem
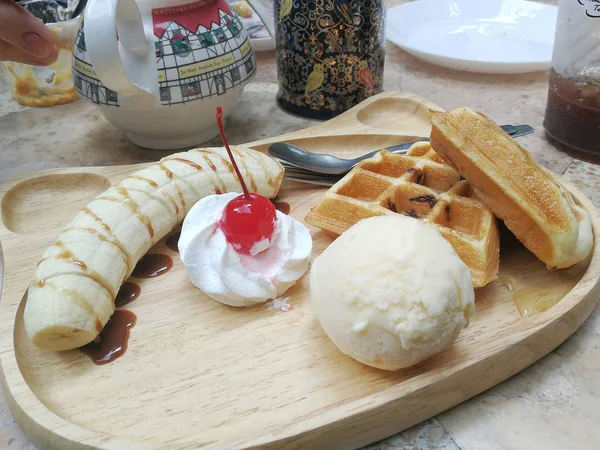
column 230, row 153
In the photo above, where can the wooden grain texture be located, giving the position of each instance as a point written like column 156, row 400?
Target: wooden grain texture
column 201, row 374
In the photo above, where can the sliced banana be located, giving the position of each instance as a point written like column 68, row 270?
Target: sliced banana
column 72, row 294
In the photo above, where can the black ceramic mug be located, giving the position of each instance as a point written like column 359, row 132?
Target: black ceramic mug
column 330, row 54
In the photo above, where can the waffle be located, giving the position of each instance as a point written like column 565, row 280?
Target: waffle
column 533, row 204
column 420, row 185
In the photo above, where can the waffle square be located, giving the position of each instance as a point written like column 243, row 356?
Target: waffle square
column 420, row 185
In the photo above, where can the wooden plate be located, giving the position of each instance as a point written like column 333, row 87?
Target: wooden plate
column 201, row 374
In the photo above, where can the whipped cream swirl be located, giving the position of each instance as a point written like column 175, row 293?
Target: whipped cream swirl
column 235, row 279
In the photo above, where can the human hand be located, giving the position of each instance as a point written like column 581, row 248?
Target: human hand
column 23, row 37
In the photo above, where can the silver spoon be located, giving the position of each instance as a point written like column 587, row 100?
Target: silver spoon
column 332, row 165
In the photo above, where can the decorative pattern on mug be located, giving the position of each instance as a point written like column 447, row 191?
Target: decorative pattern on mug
column 330, row 52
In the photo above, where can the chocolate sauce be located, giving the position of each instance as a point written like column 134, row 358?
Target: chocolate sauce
column 284, row 207
column 111, row 343
column 152, row 265
column 128, row 293
column 173, row 241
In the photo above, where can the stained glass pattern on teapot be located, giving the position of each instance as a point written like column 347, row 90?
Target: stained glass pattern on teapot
column 201, row 51
column 330, row 53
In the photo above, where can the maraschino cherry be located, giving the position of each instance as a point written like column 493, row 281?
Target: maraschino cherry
column 249, row 218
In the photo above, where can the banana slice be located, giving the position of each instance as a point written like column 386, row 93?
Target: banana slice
column 72, row 294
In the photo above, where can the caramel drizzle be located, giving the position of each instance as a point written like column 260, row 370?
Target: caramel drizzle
column 79, row 300
column 135, row 209
column 191, row 164
column 97, row 219
column 113, row 239
column 155, row 185
column 210, row 163
column 64, row 254
column 152, row 183
column 270, row 181
column 68, row 255
column 188, row 162
column 89, row 273
column 277, row 181
column 170, row 176
column 206, row 155
column 217, row 177
column 133, row 206
column 166, row 205
column 248, row 175
column 85, row 270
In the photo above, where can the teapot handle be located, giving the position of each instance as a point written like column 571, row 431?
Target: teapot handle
column 107, row 53
column 260, row 10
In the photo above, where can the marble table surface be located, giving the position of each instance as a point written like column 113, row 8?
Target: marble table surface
column 554, row 404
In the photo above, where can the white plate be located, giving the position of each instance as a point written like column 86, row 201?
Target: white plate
column 486, row 36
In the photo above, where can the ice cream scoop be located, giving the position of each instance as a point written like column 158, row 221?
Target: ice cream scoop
column 390, row 292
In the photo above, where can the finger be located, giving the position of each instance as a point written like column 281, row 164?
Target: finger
column 26, row 32
column 9, row 52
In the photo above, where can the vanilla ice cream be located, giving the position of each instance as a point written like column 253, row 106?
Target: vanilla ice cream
column 235, row 279
column 390, row 292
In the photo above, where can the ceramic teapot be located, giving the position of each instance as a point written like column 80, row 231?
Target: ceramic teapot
column 159, row 68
